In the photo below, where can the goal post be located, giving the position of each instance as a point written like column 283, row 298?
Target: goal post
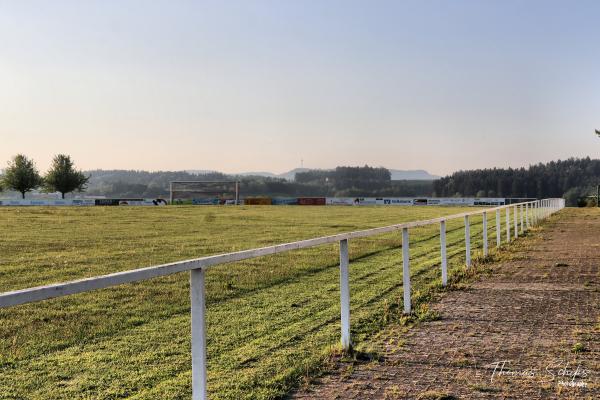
column 220, row 191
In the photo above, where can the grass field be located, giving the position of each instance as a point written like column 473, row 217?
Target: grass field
column 271, row 321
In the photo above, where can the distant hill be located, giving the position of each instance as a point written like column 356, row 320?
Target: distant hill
column 200, row 171
column 262, row 173
column 412, row 175
column 291, row 175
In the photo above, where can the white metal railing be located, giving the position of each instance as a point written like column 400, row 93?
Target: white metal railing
column 531, row 212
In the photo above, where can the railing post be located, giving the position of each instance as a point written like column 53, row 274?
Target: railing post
column 508, row 224
column 516, row 220
column 527, row 215
column 198, row 300
column 345, row 294
column 485, row 235
column 406, row 270
column 498, row 229
column 443, row 253
column 544, row 210
column 522, row 218
column 467, row 241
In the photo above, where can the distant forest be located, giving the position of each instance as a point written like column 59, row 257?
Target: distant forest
column 573, row 179
column 342, row 181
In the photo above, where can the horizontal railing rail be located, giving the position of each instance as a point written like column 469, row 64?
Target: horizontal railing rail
column 528, row 213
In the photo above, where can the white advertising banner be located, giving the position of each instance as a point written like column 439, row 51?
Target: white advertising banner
column 366, row 201
column 397, row 202
column 41, row 202
column 339, row 201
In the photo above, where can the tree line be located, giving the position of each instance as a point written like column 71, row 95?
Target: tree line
column 22, row 176
column 574, row 179
column 343, row 181
column 348, row 180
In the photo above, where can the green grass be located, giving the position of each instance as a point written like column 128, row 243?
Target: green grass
column 271, row 321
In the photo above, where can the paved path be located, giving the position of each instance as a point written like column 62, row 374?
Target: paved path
column 520, row 333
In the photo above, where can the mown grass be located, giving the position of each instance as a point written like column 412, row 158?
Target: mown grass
column 271, row 321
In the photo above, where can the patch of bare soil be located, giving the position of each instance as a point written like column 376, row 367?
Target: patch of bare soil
column 528, row 330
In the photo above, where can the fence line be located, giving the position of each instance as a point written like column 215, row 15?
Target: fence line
column 535, row 212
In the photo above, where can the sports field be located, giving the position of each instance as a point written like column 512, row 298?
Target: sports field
column 271, row 321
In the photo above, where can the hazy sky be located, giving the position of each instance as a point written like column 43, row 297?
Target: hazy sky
column 260, row 85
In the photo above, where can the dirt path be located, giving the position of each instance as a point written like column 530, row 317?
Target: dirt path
column 522, row 332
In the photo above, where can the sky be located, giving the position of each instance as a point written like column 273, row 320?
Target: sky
column 250, row 85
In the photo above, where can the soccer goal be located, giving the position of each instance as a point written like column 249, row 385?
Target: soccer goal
column 205, row 192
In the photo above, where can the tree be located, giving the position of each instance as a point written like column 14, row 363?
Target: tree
column 63, row 177
column 21, row 175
